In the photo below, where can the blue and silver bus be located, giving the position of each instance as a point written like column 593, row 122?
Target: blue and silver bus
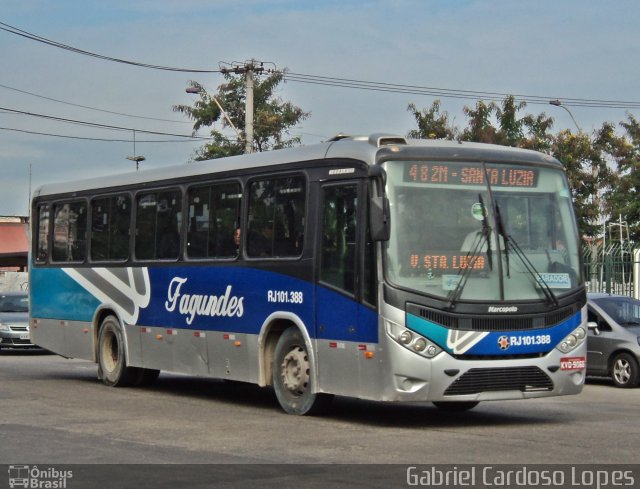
column 373, row 267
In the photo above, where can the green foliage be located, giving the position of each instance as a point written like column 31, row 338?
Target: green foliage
column 431, row 123
column 623, row 197
column 273, row 117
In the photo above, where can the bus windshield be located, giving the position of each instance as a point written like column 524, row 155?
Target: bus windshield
column 481, row 231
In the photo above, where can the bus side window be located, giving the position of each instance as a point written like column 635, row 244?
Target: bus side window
column 214, row 216
column 339, row 220
column 43, row 233
column 110, row 222
column 158, row 220
column 276, row 217
column 69, row 232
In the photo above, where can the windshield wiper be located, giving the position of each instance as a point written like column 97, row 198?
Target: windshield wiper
column 531, row 269
column 502, row 232
column 486, row 232
column 482, row 237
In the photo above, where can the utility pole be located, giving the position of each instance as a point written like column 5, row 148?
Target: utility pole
column 249, row 69
column 248, row 108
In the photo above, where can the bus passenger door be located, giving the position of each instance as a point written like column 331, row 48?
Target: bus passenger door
column 337, row 307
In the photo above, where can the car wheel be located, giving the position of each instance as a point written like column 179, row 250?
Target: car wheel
column 293, row 376
column 625, row 371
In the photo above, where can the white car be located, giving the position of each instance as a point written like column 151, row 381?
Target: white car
column 14, row 320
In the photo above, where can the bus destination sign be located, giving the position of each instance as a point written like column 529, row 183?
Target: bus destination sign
column 447, row 173
column 446, row 261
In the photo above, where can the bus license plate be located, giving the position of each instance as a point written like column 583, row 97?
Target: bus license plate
column 572, row 363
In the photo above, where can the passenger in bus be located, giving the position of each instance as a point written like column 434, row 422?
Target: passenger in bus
column 260, row 243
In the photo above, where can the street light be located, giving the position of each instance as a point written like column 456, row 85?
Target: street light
column 200, row 91
column 558, row 103
column 135, row 157
column 594, row 167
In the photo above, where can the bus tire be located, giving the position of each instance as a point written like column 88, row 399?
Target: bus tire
column 293, row 376
column 112, row 364
column 624, row 371
column 455, row 405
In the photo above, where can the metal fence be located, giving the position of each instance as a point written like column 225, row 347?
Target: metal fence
column 612, row 268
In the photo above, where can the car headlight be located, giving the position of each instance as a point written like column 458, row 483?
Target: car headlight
column 412, row 340
column 5, row 327
column 572, row 340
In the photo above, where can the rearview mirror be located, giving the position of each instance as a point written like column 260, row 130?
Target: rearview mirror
column 379, row 222
column 593, row 326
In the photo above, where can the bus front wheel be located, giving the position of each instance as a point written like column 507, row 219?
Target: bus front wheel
column 293, row 376
column 112, row 367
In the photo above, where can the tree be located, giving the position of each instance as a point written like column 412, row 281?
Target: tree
column 431, row 123
column 511, row 129
column 480, row 129
column 576, row 154
column 623, row 198
column 273, row 117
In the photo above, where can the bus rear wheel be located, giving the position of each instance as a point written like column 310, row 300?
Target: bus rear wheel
column 293, row 376
column 112, row 365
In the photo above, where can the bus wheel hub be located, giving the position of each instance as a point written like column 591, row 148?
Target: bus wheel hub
column 295, row 370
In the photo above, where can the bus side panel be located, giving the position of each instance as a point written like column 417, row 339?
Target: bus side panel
column 78, row 337
column 62, row 312
column 346, row 345
column 134, row 348
column 230, row 355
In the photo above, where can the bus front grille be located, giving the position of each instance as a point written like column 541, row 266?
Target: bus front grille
column 512, row 322
column 524, row 379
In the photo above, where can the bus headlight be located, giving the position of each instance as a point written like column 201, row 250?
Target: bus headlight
column 405, row 337
column 572, row 340
column 412, row 341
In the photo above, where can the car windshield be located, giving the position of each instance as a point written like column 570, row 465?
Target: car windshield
column 14, row 303
column 448, row 218
column 623, row 310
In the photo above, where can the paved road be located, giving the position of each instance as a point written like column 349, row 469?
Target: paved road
column 54, row 411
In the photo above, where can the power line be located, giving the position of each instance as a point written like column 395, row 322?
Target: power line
column 12, row 129
column 92, row 108
column 100, row 126
column 355, row 84
column 49, row 42
column 451, row 93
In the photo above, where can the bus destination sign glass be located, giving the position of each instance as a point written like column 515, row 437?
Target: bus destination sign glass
column 446, row 261
column 447, row 173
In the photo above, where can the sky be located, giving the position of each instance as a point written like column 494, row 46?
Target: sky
column 551, row 49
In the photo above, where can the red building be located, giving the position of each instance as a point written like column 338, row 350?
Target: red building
column 14, row 243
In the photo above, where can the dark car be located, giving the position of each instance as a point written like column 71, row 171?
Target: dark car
column 14, row 320
column 613, row 344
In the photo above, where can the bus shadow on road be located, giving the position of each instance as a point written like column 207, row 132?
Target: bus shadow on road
column 240, row 394
column 425, row 415
column 234, row 394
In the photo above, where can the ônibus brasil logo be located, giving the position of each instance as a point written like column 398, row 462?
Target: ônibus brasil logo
column 33, row 477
